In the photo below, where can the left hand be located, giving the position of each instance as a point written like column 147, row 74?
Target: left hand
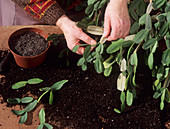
column 116, row 21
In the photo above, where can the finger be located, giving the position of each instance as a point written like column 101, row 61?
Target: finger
column 114, row 34
column 107, row 27
column 87, row 39
column 80, row 51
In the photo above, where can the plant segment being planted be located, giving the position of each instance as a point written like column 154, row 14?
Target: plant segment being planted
column 33, row 102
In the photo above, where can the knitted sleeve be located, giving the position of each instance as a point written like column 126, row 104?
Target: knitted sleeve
column 47, row 11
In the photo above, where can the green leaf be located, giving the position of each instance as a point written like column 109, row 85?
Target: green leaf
column 81, row 61
column 122, row 97
column 127, row 44
column 108, row 71
column 87, row 52
column 134, row 28
column 82, row 25
column 150, row 60
column 154, row 47
column 13, row 100
column 134, row 4
column 163, row 30
column 133, row 14
column 75, row 48
column 51, row 98
column 19, row 85
column 134, row 59
column 42, row 116
column 139, row 37
column 99, row 48
column 129, row 98
column 84, row 67
column 117, row 111
column 158, row 93
column 167, row 96
column 40, row 126
column 98, row 66
column 23, row 118
column 91, row 2
column 115, row 46
column 160, row 72
column 45, row 89
column 148, row 23
column 35, row 81
column 142, row 19
column 166, row 57
column 158, row 3
column 18, row 112
column 148, row 44
column 31, row 106
column 58, row 85
column 96, row 5
column 163, row 95
column 89, row 9
column 162, row 105
column 122, row 107
column 109, row 62
column 47, row 126
column 161, row 18
column 167, row 8
column 26, row 99
column 52, row 37
column 141, row 9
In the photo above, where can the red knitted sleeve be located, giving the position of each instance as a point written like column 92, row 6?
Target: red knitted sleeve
column 47, row 11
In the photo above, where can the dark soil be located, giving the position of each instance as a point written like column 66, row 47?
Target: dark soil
column 88, row 99
column 29, row 44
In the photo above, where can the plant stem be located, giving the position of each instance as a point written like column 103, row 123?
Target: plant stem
column 167, row 81
column 42, row 96
column 137, row 47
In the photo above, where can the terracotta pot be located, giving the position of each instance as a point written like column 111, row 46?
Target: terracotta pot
column 28, row 61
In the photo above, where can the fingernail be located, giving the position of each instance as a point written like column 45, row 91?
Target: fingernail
column 93, row 41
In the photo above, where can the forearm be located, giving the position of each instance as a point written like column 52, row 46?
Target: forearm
column 47, row 11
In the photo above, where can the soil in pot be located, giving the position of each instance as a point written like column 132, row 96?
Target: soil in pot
column 29, row 44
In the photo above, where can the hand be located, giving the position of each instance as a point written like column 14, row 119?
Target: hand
column 116, row 21
column 73, row 34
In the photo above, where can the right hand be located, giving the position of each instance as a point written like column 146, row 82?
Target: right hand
column 73, row 34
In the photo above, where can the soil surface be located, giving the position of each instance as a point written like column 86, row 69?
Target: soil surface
column 29, row 44
column 88, row 100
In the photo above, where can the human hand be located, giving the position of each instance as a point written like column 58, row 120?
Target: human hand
column 116, row 21
column 73, row 34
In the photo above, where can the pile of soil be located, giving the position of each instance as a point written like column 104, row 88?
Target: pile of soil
column 29, row 44
column 88, row 100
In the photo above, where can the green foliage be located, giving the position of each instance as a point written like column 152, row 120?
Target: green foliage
column 42, row 121
column 21, row 84
column 149, row 27
column 56, row 86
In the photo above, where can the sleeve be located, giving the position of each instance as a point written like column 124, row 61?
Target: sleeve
column 47, row 11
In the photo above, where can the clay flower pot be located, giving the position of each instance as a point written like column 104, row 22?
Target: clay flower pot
column 28, row 61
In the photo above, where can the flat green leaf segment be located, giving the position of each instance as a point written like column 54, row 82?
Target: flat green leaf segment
column 21, row 84
column 42, row 116
column 58, row 85
column 35, row 81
